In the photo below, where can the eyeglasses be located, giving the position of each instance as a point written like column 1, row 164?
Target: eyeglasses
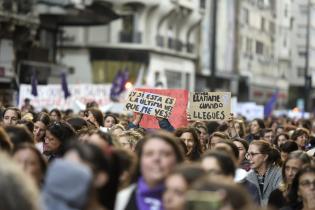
column 307, row 183
column 251, row 154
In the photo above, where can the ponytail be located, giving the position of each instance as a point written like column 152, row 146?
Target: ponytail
column 273, row 153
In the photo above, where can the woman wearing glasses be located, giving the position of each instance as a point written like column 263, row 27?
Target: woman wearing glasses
column 302, row 193
column 265, row 173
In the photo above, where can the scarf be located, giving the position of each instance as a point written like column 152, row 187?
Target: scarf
column 149, row 199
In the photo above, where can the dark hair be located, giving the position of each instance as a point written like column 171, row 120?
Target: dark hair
column 260, row 122
column 299, row 155
column 19, row 134
column 77, row 123
column 57, row 111
column 63, row 132
column 289, row 146
column 298, row 132
column 127, row 162
column 99, row 162
column 293, row 193
column 266, row 148
column 113, row 116
column 196, row 151
column 27, row 123
column 5, row 142
column 266, row 130
column 224, row 160
column 98, row 115
column 41, row 159
column 243, row 142
column 233, row 147
column 277, row 138
column 44, row 118
column 190, row 172
column 16, row 110
column 212, row 126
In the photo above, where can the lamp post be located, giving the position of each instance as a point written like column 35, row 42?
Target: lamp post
column 214, row 9
column 307, row 77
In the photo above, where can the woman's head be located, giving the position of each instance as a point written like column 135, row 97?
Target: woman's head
column 128, row 139
column 40, row 126
column 11, row 115
column 300, row 136
column 55, row 115
column 295, row 161
column 117, row 129
column 158, row 155
column 218, row 163
column 281, row 139
column 78, row 123
column 177, row 184
column 31, row 160
column 287, row 148
column 110, row 120
column 256, row 125
column 190, row 137
column 95, row 116
column 303, row 187
column 5, row 142
column 101, row 139
column 58, row 135
column 216, row 137
column 204, row 135
column 240, row 128
column 261, row 154
column 19, row 134
column 242, row 147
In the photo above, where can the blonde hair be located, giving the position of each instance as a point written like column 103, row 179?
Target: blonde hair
column 132, row 135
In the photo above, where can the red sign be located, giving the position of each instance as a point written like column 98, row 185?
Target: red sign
column 179, row 114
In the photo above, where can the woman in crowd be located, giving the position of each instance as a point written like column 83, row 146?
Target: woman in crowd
column 32, row 161
column 242, row 147
column 281, row 139
column 19, row 134
column 93, row 157
column 110, row 120
column 178, row 183
column 256, row 127
column 215, row 138
column 18, row 191
column 287, row 148
column 117, row 129
column 5, row 142
column 41, row 123
column 58, row 134
column 95, row 116
column 291, row 166
column 190, row 137
column 129, row 139
column 240, row 128
column 11, row 116
column 265, row 174
column 300, row 136
column 203, row 136
column 55, row 115
column 302, row 192
column 158, row 155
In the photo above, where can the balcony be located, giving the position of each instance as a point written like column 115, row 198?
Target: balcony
column 76, row 13
column 127, row 37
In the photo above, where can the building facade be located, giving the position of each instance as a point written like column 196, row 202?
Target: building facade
column 159, row 38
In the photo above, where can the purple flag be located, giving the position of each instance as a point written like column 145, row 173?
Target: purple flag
column 271, row 104
column 34, row 84
column 118, row 85
column 64, row 86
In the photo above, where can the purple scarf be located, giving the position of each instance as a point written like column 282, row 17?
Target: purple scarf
column 149, row 199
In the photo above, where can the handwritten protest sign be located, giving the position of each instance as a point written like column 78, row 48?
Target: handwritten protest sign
column 150, row 103
column 210, row 106
column 178, row 117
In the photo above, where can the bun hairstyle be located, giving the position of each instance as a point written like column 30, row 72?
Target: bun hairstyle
column 265, row 147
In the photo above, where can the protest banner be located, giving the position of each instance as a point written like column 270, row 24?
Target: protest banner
column 178, row 118
column 210, row 106
column 51, row 96
column 151, row 104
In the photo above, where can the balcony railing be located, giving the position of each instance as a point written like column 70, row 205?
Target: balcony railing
column 127, row 37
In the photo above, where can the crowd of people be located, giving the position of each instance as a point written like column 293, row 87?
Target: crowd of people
column 54, row 160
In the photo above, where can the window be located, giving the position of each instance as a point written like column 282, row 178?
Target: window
column 246, row 15
column 286, row 11
column 259, row 48
column 174, row 79
column 302, row 54
column 301, row 72
column 263, row 24
column 248, row 45
column 203, row 4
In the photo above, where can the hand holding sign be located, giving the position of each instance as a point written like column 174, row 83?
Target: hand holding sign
column 150, row 104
